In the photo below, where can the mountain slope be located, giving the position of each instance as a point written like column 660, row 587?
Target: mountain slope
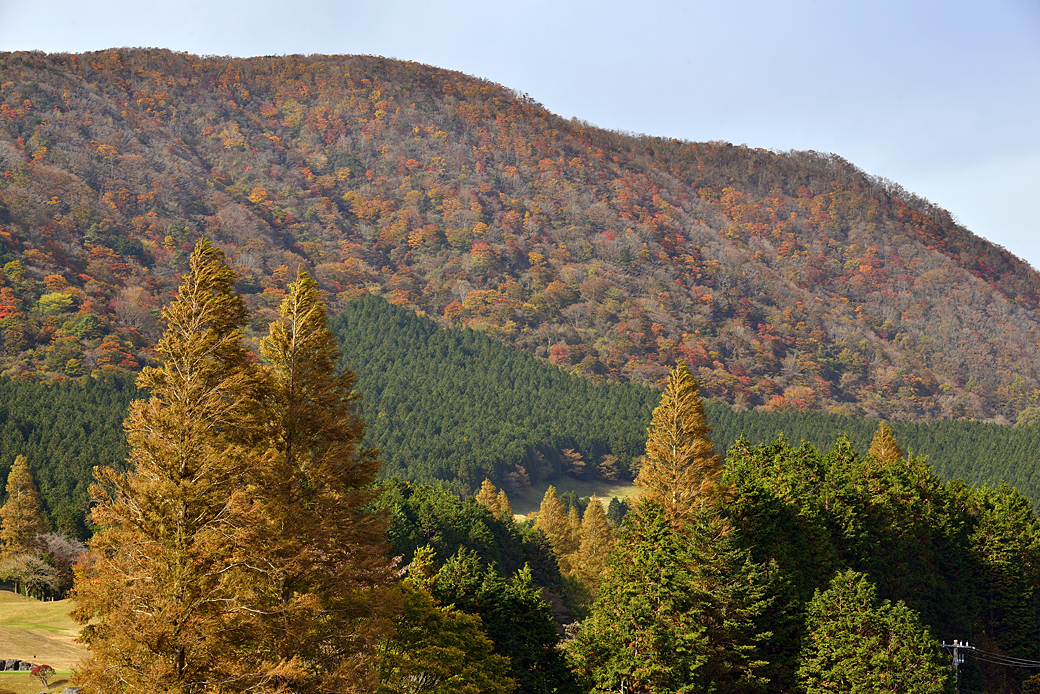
column 787, row 280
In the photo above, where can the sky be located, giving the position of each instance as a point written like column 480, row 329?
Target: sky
column 940, row 96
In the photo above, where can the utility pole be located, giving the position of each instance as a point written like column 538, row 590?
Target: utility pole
column 958, row 657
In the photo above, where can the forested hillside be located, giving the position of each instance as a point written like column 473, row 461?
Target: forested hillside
column 452, row 406
column 788, row 281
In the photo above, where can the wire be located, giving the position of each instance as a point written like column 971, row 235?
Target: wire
column 994, row 658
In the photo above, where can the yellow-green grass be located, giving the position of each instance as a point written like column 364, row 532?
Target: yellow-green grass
column 39, row 633
column 530, row 502
column 24, row 683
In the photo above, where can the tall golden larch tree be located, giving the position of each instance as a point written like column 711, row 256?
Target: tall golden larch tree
column 158, row 592
column 554, row 522
column 595, row 542
column 681, row 468
column 319, row 567
column 21, row 518
column 884, row 448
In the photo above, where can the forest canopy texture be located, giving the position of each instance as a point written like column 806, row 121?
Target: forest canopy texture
column 786, row 281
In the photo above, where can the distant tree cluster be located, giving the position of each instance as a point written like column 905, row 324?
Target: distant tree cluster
column 454, row 406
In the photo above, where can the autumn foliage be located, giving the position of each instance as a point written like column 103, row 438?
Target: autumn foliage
column 786, row 281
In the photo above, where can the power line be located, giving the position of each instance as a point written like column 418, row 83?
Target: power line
column 959, row 649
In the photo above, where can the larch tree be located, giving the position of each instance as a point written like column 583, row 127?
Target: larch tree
column 21, row 518
column 884, row 448
column 321, row 598
column 496, row 501
column 595, row 542
column 553, row 521
column 158, row 594
column 681, row 468
column 505, row 509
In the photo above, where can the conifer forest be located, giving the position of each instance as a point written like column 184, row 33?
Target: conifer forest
column 291, row 349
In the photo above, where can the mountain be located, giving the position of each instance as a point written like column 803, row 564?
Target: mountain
column 787, row 280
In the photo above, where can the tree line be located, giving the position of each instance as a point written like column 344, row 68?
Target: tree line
column 453, row 406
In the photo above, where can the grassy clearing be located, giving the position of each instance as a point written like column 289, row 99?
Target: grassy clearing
column 37, row 632
column 24, row 683
column 601, row 488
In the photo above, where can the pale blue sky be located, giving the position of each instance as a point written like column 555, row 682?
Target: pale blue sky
column 942, row 97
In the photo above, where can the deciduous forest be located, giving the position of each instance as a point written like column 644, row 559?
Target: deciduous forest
column 788, row 281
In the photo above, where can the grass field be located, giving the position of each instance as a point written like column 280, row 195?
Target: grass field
column 24, row 683
column 602, row 489
column 36, row 632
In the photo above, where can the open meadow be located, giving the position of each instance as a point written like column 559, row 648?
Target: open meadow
column 40, row 633
column 604, row 490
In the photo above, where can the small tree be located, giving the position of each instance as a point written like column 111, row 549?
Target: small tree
column 884, row 448
column 681, row 467
column 596, row 541
column 21, row 518
column 553, row 521
column 44, row 672
column 31, row 572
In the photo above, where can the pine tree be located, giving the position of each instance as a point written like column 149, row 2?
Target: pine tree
column 616, row 511
column 884, row 448
column 155, row 596
column 321, row 599
column 681, row 467
column 438, row 649
column 21, row 518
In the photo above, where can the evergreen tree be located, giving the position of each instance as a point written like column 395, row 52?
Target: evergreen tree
column 21, row 518
column 616, row 512
column 155, row 596
column 438, row 649
column 677, row 611
column 320, row 600
column 681, row 467
column 857, row 644
column 514, row 616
